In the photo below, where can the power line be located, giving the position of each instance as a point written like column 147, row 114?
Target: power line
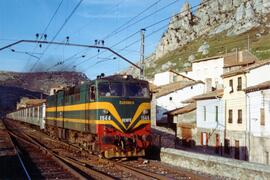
column 49, row 23
column 154, row 24
column 143, row 18
column 133, row 18
column 60, row 29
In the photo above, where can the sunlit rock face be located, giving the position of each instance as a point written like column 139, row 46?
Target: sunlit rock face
column 231, row 16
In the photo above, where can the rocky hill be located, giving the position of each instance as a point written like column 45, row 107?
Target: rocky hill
column 40, row 81
column 215, row 27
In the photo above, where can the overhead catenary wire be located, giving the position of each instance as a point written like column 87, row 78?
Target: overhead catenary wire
column 59, row 30
column 154, row 24
column 49, row 23
column 130, row 20
column 133, row 18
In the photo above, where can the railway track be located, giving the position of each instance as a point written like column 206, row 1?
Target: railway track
column 92, row 166
column 39, row 163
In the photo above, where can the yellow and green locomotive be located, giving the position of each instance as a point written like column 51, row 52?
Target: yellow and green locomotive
column 109, row 115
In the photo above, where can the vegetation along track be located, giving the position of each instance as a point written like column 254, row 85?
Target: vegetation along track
column 93, row 166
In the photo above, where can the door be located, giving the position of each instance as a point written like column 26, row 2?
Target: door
column 217, row 143
column 186, row 135
column 237, row 149
column 204, row 139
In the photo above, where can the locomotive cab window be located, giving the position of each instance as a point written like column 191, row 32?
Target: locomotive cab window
column 137, row 90
column 110, row 89
column 92, row 93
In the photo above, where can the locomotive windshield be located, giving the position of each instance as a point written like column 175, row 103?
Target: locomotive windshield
column 118, row 89
column 137, row 90
column 110, row 89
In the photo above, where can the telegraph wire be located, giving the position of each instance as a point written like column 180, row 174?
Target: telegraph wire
column 146, row 9
column 147, row 27
column 60, row 29
column 49, row 23
column 133, row 18
column 143, row 18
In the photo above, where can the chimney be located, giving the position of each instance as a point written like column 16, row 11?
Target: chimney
column 208, row 84
column 240, row 56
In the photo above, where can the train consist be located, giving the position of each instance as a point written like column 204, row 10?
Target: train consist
column 109, row 115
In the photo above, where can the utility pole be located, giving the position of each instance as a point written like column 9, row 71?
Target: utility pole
column 248, row 43
column 142, row 54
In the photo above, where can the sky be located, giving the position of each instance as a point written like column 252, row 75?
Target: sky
column 116, row 22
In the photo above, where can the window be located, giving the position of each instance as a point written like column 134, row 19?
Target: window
column 262, row 116
column 239, row 86
column 137, row 90
column 231, row 85
column 204, row 113
column 216, row 113
column 92, row 93
column 230, row 116
column 239, row 119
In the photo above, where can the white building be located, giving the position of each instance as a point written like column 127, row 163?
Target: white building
column 258, row 107
column 210, row 121
column 168, row 77
column 239, row 123
column 210, row 70
column 170, row 96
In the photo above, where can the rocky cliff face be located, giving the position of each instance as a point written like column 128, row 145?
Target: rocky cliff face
column 212, row 17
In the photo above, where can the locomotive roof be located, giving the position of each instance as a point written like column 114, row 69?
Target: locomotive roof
column 119, row 77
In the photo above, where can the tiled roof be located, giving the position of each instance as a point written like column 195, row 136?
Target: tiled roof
column 258, row 87
column 210, row 95
column 233, row 59
column 240, row 58
column 172, row 87
column 178, row 74
column 188, row 108
column 246, row 69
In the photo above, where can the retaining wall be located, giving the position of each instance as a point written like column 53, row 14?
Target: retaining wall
column 215, row 165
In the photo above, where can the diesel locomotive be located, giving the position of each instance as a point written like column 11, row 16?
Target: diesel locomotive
column 108, row 115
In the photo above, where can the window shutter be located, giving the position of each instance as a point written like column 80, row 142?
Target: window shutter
column 262, row 116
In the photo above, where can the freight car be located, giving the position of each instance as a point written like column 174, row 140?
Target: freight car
column 109, row 115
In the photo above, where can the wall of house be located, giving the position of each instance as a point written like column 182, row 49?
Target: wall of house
column 260, row 134
column 215, row 138
column 242, row 138
column 174, row 100
column 260, row 150
column 255, row 102
column 163, row 78
column 210, row 117
column 258, row 75
column 235, row 101
column 208, row 69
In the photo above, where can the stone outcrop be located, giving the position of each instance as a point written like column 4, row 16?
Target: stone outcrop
column 231, row 16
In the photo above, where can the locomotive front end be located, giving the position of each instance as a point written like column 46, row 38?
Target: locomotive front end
column 123, row 117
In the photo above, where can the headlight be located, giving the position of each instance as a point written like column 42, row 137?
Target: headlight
column 146, row 112
column 105, row 111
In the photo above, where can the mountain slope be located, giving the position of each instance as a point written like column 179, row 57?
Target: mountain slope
column 41, row 81
column 216, row 27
